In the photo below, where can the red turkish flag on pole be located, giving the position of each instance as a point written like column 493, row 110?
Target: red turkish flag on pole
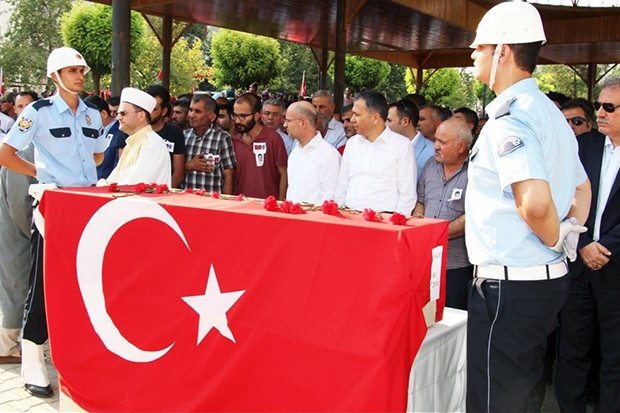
column 184, row 303
column 302, row 89
column 1, row 81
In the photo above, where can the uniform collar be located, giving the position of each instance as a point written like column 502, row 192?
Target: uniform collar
column 62, row 106
column 522, row 86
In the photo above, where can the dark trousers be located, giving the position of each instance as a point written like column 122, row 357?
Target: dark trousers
column 591, row 299
column 457, row 286
column 35, row 324
column 507, row 327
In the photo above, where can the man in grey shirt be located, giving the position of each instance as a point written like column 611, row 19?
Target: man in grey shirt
column 441, row 194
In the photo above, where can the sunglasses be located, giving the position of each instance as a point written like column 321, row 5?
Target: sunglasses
column 607, row 107
column 577, row 120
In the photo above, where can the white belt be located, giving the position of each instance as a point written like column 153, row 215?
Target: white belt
column 539, row 272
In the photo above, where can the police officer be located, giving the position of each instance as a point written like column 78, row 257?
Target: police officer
column 68, row 141
column 526, row 196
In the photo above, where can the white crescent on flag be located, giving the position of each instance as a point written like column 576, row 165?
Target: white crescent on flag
column 89, row 261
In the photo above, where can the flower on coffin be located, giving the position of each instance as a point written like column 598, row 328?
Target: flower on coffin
column 201, row 191
column 271, row 204
column 330, row 207
column 113, row 187
column 215, row 194
column 372, row 216
column 398, row 219
column 189, row 190
column 240, row 197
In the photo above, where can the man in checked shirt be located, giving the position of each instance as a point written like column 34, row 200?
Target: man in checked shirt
column 209, row 155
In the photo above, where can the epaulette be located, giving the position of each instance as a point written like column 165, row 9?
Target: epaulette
column 42, row 103
column 92, row 106
column 504, row 110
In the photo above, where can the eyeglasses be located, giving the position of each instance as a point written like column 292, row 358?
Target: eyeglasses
column 607, row 107
column 122, row 113
column 291, row 120
column 242, row 116
column 577, row 120
column 403, row 105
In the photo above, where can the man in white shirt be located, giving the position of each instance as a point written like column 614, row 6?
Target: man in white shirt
column 323, row 101
column 145, row 158
column 313, row 165
column 377, row 169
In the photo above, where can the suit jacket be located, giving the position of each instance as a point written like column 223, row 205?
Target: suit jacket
column 591, row 147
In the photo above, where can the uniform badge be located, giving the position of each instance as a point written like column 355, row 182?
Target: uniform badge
column 24, row 124
column 508, row 145
column 89, row 121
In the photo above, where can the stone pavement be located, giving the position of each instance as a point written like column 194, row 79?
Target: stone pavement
column 13, row 397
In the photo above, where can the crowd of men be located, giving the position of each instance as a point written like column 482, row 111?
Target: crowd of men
column 538, row 186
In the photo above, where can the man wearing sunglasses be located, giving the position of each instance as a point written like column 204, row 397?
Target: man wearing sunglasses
column 579, row 114
column 594, row 296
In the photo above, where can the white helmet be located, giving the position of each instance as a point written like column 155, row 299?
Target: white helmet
column 65, row 57
column 510, row 23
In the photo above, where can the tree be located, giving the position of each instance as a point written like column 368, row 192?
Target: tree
column 394, row 84
column 362, row 72
column 88, row 29
column 240, row 59
column 32, row 33
column 187, row 65
column 441, row 86
column 297, row 58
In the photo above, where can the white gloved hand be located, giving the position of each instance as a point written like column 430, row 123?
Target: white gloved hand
column 569, row 238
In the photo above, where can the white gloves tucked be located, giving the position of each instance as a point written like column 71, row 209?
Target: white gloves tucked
column 569, row 237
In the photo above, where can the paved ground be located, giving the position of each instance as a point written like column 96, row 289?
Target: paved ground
column 13, row 397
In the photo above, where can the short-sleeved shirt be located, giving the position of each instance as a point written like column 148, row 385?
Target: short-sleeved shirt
column 526, row 137
column 214, row 141
column 64, row 142
column 250, row 178
column 445, row 199
column 313, row 172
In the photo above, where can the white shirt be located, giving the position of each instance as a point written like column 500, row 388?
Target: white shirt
column 335, row 134
column 378, row 175
column 609, row 170
column 145, row 159
column 6, row 122
column 313, row 172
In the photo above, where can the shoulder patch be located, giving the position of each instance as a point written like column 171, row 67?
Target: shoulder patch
column 504, row 110
column 509, row 144
column 41, row 103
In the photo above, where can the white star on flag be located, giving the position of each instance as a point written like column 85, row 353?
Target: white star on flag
column 212, row 307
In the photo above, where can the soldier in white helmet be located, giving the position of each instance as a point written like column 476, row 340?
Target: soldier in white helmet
column 67, row 137
column 526, row 198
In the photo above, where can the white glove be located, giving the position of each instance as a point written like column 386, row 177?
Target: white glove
column 569, row 237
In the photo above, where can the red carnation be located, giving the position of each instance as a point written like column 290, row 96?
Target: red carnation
column 239, row 197
column 215, row 194
column 297, row 209
column 271, row 204
column 189, row 190
column 331, row 208
column 161, row 189
column 113, row 187
column 398, row 219
column 201, row 191
column 286, row 207
column 372, row 216
column 139, row 188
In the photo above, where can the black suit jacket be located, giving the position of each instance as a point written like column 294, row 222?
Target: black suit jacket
column 591, row 147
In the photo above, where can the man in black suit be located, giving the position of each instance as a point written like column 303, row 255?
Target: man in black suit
column 595, row 275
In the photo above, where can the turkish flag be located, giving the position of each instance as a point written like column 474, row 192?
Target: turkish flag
column 302, row 89
column 184, row 303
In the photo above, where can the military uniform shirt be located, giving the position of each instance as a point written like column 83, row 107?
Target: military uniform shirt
column 64, row 142
column 526, row 137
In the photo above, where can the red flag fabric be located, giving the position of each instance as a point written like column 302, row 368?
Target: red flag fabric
column 1, row 82
column 302, row 89
column 184, row 303
column 160, row 75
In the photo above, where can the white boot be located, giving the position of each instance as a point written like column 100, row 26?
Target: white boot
column 9, row 342
column 34, row 369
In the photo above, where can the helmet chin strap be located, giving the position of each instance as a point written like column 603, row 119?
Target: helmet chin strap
column 494, row 62
column 62, row 85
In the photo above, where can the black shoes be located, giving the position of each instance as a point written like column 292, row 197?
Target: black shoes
column 39, row 391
